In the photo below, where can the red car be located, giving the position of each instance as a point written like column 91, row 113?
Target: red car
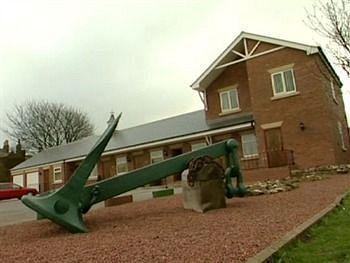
column 11, row 190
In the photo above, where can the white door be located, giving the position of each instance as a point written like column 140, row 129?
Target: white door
column 33, row 180
column 18, row 179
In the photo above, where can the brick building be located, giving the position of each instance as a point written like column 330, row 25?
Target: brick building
column 281, row 100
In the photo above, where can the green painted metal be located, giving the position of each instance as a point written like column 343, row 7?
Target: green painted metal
column 117, row 185
column 66, row 206
column 233, row 171
column 162, row 193
column 63, row 206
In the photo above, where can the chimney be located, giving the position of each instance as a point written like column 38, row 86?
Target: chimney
column 18, row 146
column 6, row 147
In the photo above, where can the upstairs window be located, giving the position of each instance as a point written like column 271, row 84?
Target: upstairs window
column 341, row 136
column 333, row 91
column 122, row 165
column 57, row 175
column 157, row 156
column 283, row 82
column 229, row 100
column 249, row 145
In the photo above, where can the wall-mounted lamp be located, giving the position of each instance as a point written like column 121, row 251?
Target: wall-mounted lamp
column 252, row 123
column 302, row 126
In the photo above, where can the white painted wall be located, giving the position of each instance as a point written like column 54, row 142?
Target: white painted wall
column 33, row 180
column 18, row 179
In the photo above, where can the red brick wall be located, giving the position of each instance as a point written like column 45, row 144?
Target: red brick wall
column 336, row 112
column 141, row 159
column 308, row 107
column 107, row 166
column 319, row 143
column 232, row 75
column 264, row 47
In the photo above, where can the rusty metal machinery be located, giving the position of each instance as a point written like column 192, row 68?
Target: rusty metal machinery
column 203, row 185
column 67, row 205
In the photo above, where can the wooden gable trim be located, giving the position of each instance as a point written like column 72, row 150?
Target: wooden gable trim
column 249, row 57
column 243, row 35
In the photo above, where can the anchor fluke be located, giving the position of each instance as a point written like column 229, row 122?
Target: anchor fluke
column 60, row 210
column 64, row 206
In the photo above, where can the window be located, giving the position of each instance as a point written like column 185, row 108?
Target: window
column 341, row 136
column 249, row 145
column 333, row 91
column 283, row 82
column 122, row 165
column 57, row 175
column 156, row 156
column 93, row 174
column 15, row 186
column 229, row 100
column 197, row 146
column 18, row 179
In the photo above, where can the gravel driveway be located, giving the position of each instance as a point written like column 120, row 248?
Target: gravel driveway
column 160, row 230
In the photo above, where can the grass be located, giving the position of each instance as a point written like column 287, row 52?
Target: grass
column 328, row 241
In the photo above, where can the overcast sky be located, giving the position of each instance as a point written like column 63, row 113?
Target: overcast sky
column 135, row 57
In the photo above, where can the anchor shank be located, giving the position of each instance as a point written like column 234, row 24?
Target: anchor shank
column 120, row 184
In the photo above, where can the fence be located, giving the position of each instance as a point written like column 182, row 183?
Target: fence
column 268, row 159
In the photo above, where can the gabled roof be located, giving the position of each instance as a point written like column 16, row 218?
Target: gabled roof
column 175, row 127
column 230, row 54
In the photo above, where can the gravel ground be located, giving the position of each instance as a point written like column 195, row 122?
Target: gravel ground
column 160, row 230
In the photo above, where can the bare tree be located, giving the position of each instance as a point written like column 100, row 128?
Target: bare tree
column 331, row 19
column 41, row 125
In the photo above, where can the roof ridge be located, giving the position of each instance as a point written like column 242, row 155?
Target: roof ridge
column 276, row 38
column 159, row 120
column 70, row 143
column 95, row 135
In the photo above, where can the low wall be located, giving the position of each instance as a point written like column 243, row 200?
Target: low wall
column 262, row 174
column 119, row 200
column 327, row 169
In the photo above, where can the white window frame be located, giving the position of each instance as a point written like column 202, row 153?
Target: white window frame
column 57, row 170
column 198, row 145
column 333, row 92
column 243, row 139
column 94, row 173
column 121, row 160
column 15, row 179
column 284, row 92
column 341, row 136
column 230, row 109
column 155, row 154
